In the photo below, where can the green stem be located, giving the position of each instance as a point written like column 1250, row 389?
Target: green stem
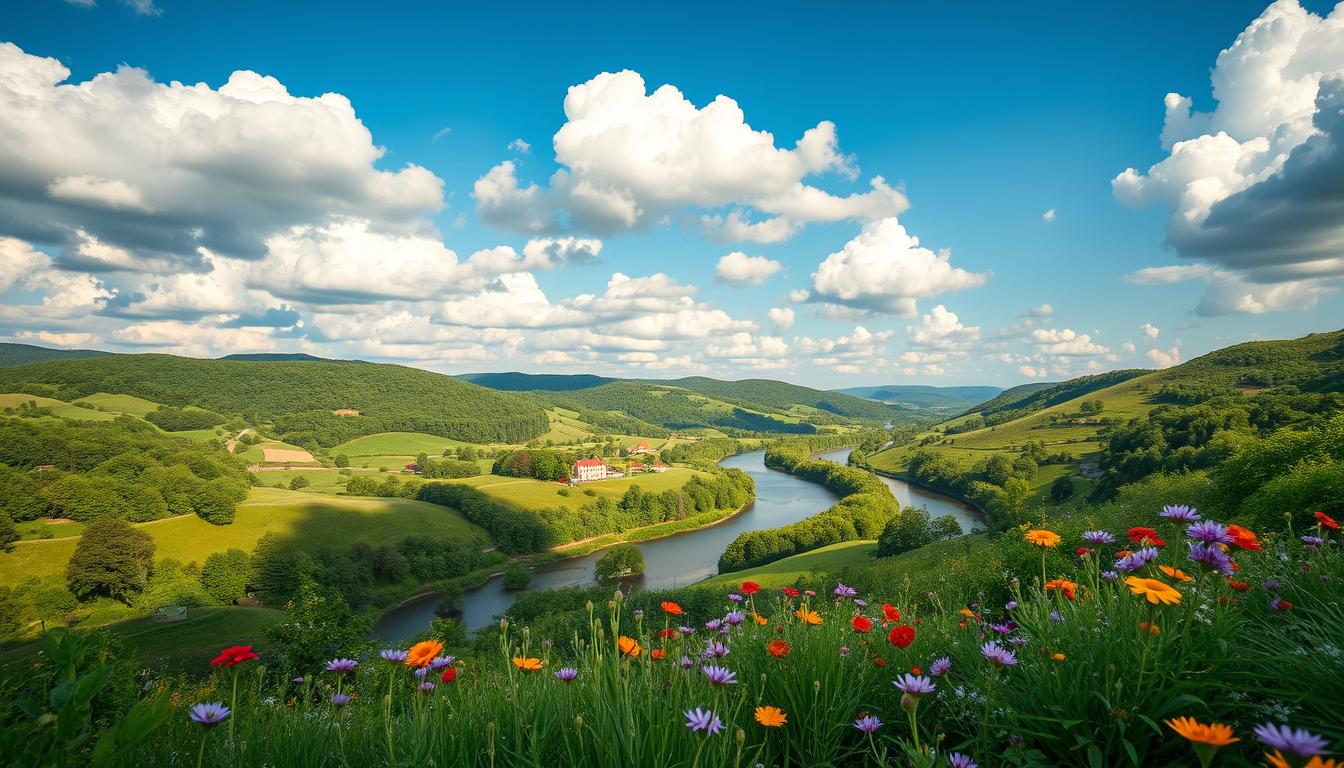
column 200, row 754
column 233, row 704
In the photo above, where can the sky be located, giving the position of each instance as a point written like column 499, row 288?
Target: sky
column 916, row 193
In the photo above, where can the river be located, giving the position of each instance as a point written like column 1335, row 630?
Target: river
column 680, row 559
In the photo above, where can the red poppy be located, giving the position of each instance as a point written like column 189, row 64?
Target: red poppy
column 791, row 592
column 901, row 636
column 1122, row 553
column 1243, row 537
column 861, row 624
column 879, row 661
column 891, row 612
column 1238, row 584
column 666, row 633
column 778, row 648
column 1146, row 536
column 1327, row 521
column 916, row 671
column 1081, row 551
column 658, row 654
column 449, row 675
column 750, row 588
column 671, row 608
column 233, row 655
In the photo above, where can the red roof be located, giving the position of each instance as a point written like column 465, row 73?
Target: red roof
column 640, row 444
column 589, row 463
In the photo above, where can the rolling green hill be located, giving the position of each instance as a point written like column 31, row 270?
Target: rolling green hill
column 23, row 354
column 944, row 400
column 768, row 393
column 297, row 400
column 513, row 381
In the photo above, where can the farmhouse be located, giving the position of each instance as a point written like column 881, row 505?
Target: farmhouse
column 656, row 466
column 588, row 470
column 641, row 447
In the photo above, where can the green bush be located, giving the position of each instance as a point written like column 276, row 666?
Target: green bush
column 112, row 559
column 619, row 562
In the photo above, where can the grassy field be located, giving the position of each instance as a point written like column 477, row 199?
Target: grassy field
column 186, row 645
column 786, row 571
column 253, row 455
column 128, row 404
column 524, row 492
column 396, row 444
column 58, row 408
column 313, row 520
column 37, row 529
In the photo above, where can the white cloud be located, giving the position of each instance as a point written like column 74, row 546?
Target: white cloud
column 1150, row 330
column 1231, row 293
column 781, row 317
column 1043, row 310
column 738, row 268
column 18, row 260
column 735, row 228
column 512, row 301
column 161, row 170
column 1165, row 359
column 1049, row 215
column 1252, row 185
column 860, row 346
column 1031, row 372
column 629, row 157
column 539, row 253
column 1129, row 346
column 193, row 339
column 942, row 329
column 884, row 269
column 520, row 146
column 1065, row 342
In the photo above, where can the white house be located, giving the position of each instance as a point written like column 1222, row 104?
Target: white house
column 641, row 447
column 587, row 470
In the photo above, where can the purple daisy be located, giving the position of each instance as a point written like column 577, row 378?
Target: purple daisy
column 209, row 714
column 686, row 630
column 426, row 687
column 868, row 724
column 1294, row 741
column 703, row 721
column 566, row 674
column 719, row 675
column 1272, row 585
column 339, row 700
column 844, row 651
column 713, row 625
column 686, row 662
column 1180, row 513
column 1056, row 616
column 1110, row 575
column 716, row 650
column 1211, row 557
column 394, row 655
column 915, row 685
column 958, row 760
column 1006, row 628
column 1137, row 559
column 1209, row 532
column 1097, row 538
column 1312, row 542
column 300, row 680
column 844, row 590
column 998, row 655
column 734, row 618
column 1017, row 641
column 736, row 598
column 1011, row 605
column 940, row 666
column 341, row 666
column 861, row 603
column 439, row 662
column 639, row 614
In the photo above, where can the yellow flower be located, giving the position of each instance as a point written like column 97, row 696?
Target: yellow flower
column 1213, row 734
column 810, row 617
column 422, row 653
column 528, row 663
column 1175, row 573
column 759, row 619
column 1059, row 657
column 1279, row 761
column 771, row 717
column 629, row 646
column 1043, row 538
column 1063, row 586
column 1156, row 591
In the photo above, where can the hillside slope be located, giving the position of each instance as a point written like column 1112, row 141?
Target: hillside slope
column 297, row 400
column 944, row 400
column 768, row 393
column 24, row 354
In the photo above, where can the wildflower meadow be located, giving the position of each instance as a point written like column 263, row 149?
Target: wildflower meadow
column 1185, row 643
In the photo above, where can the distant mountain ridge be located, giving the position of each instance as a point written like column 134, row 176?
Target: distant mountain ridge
column 23, row 354
column 515, row 381
column 926, row 397
column 277, row 357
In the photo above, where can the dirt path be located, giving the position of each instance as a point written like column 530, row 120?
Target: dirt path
column 233, row 441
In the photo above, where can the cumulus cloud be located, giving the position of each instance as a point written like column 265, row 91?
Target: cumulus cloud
column 1065, row 342
column 860, row 346
column 941, row 329
column 884, row 269
column 520, row 146
column 1256, row 186
column 1043, row 310
column 1165, row 358
column 162, row 170
column 630, row 156
column 739, row 268
column 1150, row 330
column 781, row 317
column 1231, row 293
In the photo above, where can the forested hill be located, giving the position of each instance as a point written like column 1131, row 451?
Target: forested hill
column 1023, row 400
column 513, row 381
column 924, row 397
column 23, row 354
column 780, row 394
column 297, row 399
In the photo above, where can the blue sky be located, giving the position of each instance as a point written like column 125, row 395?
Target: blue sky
column 979, row 119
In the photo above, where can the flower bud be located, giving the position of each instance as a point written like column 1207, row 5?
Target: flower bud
column 741, row 735
column 908, row 702
column 578, row 721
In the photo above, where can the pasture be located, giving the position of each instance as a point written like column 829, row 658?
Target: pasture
column 59, row 408
column 534, row 494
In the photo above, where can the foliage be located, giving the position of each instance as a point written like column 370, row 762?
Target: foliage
column 913, row 528
column 516, row 577
column 171, row 419
column 619, row 562
column 320, row 626
column 112, row 559
column 676, row 408
column 224, row 575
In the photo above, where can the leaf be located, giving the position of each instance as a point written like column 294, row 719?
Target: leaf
column 141, row 720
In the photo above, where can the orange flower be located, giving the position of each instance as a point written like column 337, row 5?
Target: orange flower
column 423, row 652
column 671, row 608
column 809, row 617
column 1279, row 761
column 1151, row 629
column 967, row 613
column 1175, row 573
column 657, row 654
column 1238, row 584
column 1063, row 586
column 628, row 646
column 1154, row 590
column 528, row 663
column 891, row 612
column 759, row 619
column 1213, row 734
column 1326, row 521
column 1243, row 537
column 771, row 717
column 666, row 633
column 778, row 648
column 1042, row 538
column 1059, row 657
column 749, row 588
column 901, row 636
column 861, row 624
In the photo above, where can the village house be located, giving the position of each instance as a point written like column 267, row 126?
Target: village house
column 641, row 447
column 588, row 470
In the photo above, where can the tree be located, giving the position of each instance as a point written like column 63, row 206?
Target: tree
column 275, row 567
column 516, row 578
column 342, row 460
column 1062, row 489
column 112, row 559
column 8, row 533
column 225, row 574
column 904, row 532
column 217, row 501
column 299, row 483
column 625, row 560
column 945, row 527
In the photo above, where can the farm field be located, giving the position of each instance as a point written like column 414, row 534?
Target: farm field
column 534, row 494
column 58, row 408
column 396, row 444
column 254, row 454
column 127, row 404
column 312, row 520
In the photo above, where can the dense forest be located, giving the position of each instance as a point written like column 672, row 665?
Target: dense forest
column 781, row 395
column 124, row 468
column 297, row 399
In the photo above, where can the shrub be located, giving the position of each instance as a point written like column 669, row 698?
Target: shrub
column 516, row 578
column 625, row 560
column 224, row 575
column 112, row 559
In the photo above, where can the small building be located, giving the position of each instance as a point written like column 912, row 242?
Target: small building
column 587, row 470
column 641, row 447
